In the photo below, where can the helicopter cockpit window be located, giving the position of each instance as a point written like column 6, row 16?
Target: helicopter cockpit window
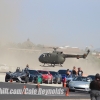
column 43, row 55
column 48, row 55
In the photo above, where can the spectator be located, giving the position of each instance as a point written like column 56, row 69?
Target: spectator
column 95, row 88
column 74, row 72
column 68, row 72
column 27, row 67
column 80, row 72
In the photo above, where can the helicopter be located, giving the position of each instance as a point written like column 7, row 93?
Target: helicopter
column 58, row 57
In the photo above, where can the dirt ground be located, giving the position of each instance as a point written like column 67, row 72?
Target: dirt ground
column 15, row 58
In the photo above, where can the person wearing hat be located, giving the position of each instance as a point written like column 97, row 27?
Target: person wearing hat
column 95, row 88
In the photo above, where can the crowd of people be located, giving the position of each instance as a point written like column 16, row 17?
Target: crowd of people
column 94, row 85
column 75, row 71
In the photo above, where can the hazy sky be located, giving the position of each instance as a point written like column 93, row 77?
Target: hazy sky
column 51, row 22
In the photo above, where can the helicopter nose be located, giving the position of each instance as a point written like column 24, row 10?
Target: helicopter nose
column 40, row 59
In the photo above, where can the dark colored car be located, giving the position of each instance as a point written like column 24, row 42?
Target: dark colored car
column 23, row 76
column 56, row 77
column 91, row 76
column 34, row 75
column 63, row 73
column 13, row 75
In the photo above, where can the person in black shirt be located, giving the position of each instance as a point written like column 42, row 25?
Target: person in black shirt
column 95, row 88
column 27, row 67
column 80, row 72
column 74, row 72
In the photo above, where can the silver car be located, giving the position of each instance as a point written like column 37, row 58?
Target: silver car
column 80, row 84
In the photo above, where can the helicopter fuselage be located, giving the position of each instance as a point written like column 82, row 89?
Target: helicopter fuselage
column 57, row 57
column 52, row 58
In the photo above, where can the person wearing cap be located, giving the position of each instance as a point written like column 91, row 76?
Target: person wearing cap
column 95, row 88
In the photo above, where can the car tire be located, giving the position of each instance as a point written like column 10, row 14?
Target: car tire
column 48, row 81
column 26, row 79
column 41, row 82
column 17, row 81
column 72, row 90
column 59, row 82
column 51, row 81
column 6, row 80
column 32, row 81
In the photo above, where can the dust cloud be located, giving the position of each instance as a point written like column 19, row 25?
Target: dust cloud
column 20, row 58
column 9, row 16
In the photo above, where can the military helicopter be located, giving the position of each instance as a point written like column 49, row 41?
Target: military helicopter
column 58, row 57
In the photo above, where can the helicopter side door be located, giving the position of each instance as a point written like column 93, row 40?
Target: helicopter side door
column 54, row 58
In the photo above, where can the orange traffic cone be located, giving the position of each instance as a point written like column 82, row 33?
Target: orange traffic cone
column 64, row 82
column 11, row 80
column 24, row 88
column 67, row 92
column 38, row 85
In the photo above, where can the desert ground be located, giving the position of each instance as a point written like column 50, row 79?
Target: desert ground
column 19, row 58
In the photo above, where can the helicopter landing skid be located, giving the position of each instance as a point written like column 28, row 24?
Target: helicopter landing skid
column 52, row 65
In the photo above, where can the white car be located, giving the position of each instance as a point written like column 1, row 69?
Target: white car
column 80, row 84
column 3, row 67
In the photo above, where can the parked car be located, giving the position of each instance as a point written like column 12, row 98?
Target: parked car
column 46, row 76
column 80, row 84
column 23, row 76
column 69, row 78
column 91, row 76
column 56, row 77
column 63, row 73
column 13, row 75
column 34, row 75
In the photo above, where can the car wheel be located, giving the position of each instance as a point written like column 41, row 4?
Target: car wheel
column 51, row 81
column 17, row 81
column 6, row 80
column 59, row 82
column 72, row 90
column 32, row 81
column 41, row 82
column 48, row 81
column 55, row 82
column 26, row 79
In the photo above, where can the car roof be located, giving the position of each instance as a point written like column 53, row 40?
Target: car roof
column 32, row 70
column 43, row 70
column 91, row 75
column 62, row 69
column 52, row 71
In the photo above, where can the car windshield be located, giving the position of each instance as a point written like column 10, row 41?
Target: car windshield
column 92, row 76
column 53, row 73
column 43, row 72
column 33, row 72
column 62, row 71
column 85, row 79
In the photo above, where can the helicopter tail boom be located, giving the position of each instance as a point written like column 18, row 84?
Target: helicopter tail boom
column 77, row 56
